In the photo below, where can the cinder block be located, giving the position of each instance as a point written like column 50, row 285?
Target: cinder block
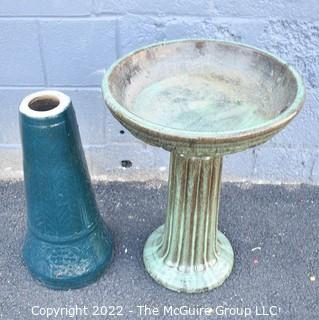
column 293, row 9
column 126, row 157
column 188, row 27
column 77, row 52
column 115, row 132
column 239, row 166
column 45, row 8
column 20, row 54
column 90, row 113
column 9, row 114
column 161, row 158
column 190, row 7
column 138, row 31
column 223, row 29
column 315, row 170
column 303, row 131
column 297, row 42
column 284, row 164
column 149, row 29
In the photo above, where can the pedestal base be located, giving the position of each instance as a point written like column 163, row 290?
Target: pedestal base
column 171, row 277
column 72, row 264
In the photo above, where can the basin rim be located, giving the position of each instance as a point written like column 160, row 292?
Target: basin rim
column 168, row 133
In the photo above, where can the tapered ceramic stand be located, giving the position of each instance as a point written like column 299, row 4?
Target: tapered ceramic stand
column 67, row 244
column 200, row 100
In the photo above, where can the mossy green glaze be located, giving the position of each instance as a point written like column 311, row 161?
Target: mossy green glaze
column 199, row 99
column 67, row 244
column 189, row 253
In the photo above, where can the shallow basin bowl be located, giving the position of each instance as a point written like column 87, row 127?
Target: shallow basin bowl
column 208, row 95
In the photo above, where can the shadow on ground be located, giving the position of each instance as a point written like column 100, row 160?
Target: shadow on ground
column 274, row 231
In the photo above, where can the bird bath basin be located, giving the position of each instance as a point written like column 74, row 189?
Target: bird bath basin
column 199, row 99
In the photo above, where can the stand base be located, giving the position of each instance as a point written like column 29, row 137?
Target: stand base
column 69, row 265
column 193, row 281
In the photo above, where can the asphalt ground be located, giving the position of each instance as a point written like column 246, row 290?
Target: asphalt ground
column 274, row 231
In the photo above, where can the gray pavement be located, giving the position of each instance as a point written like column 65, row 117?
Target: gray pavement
column 274, row 231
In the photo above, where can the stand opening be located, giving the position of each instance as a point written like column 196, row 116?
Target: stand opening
column 44, row 103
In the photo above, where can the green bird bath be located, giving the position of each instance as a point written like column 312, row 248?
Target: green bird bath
column 199, row 99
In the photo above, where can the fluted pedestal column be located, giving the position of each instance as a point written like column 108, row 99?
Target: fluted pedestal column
column 188, row 253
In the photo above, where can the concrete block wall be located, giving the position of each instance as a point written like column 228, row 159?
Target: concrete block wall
column 67, row 45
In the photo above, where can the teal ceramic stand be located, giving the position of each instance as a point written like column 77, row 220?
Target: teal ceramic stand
column 199, row 99
column 67, row 244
